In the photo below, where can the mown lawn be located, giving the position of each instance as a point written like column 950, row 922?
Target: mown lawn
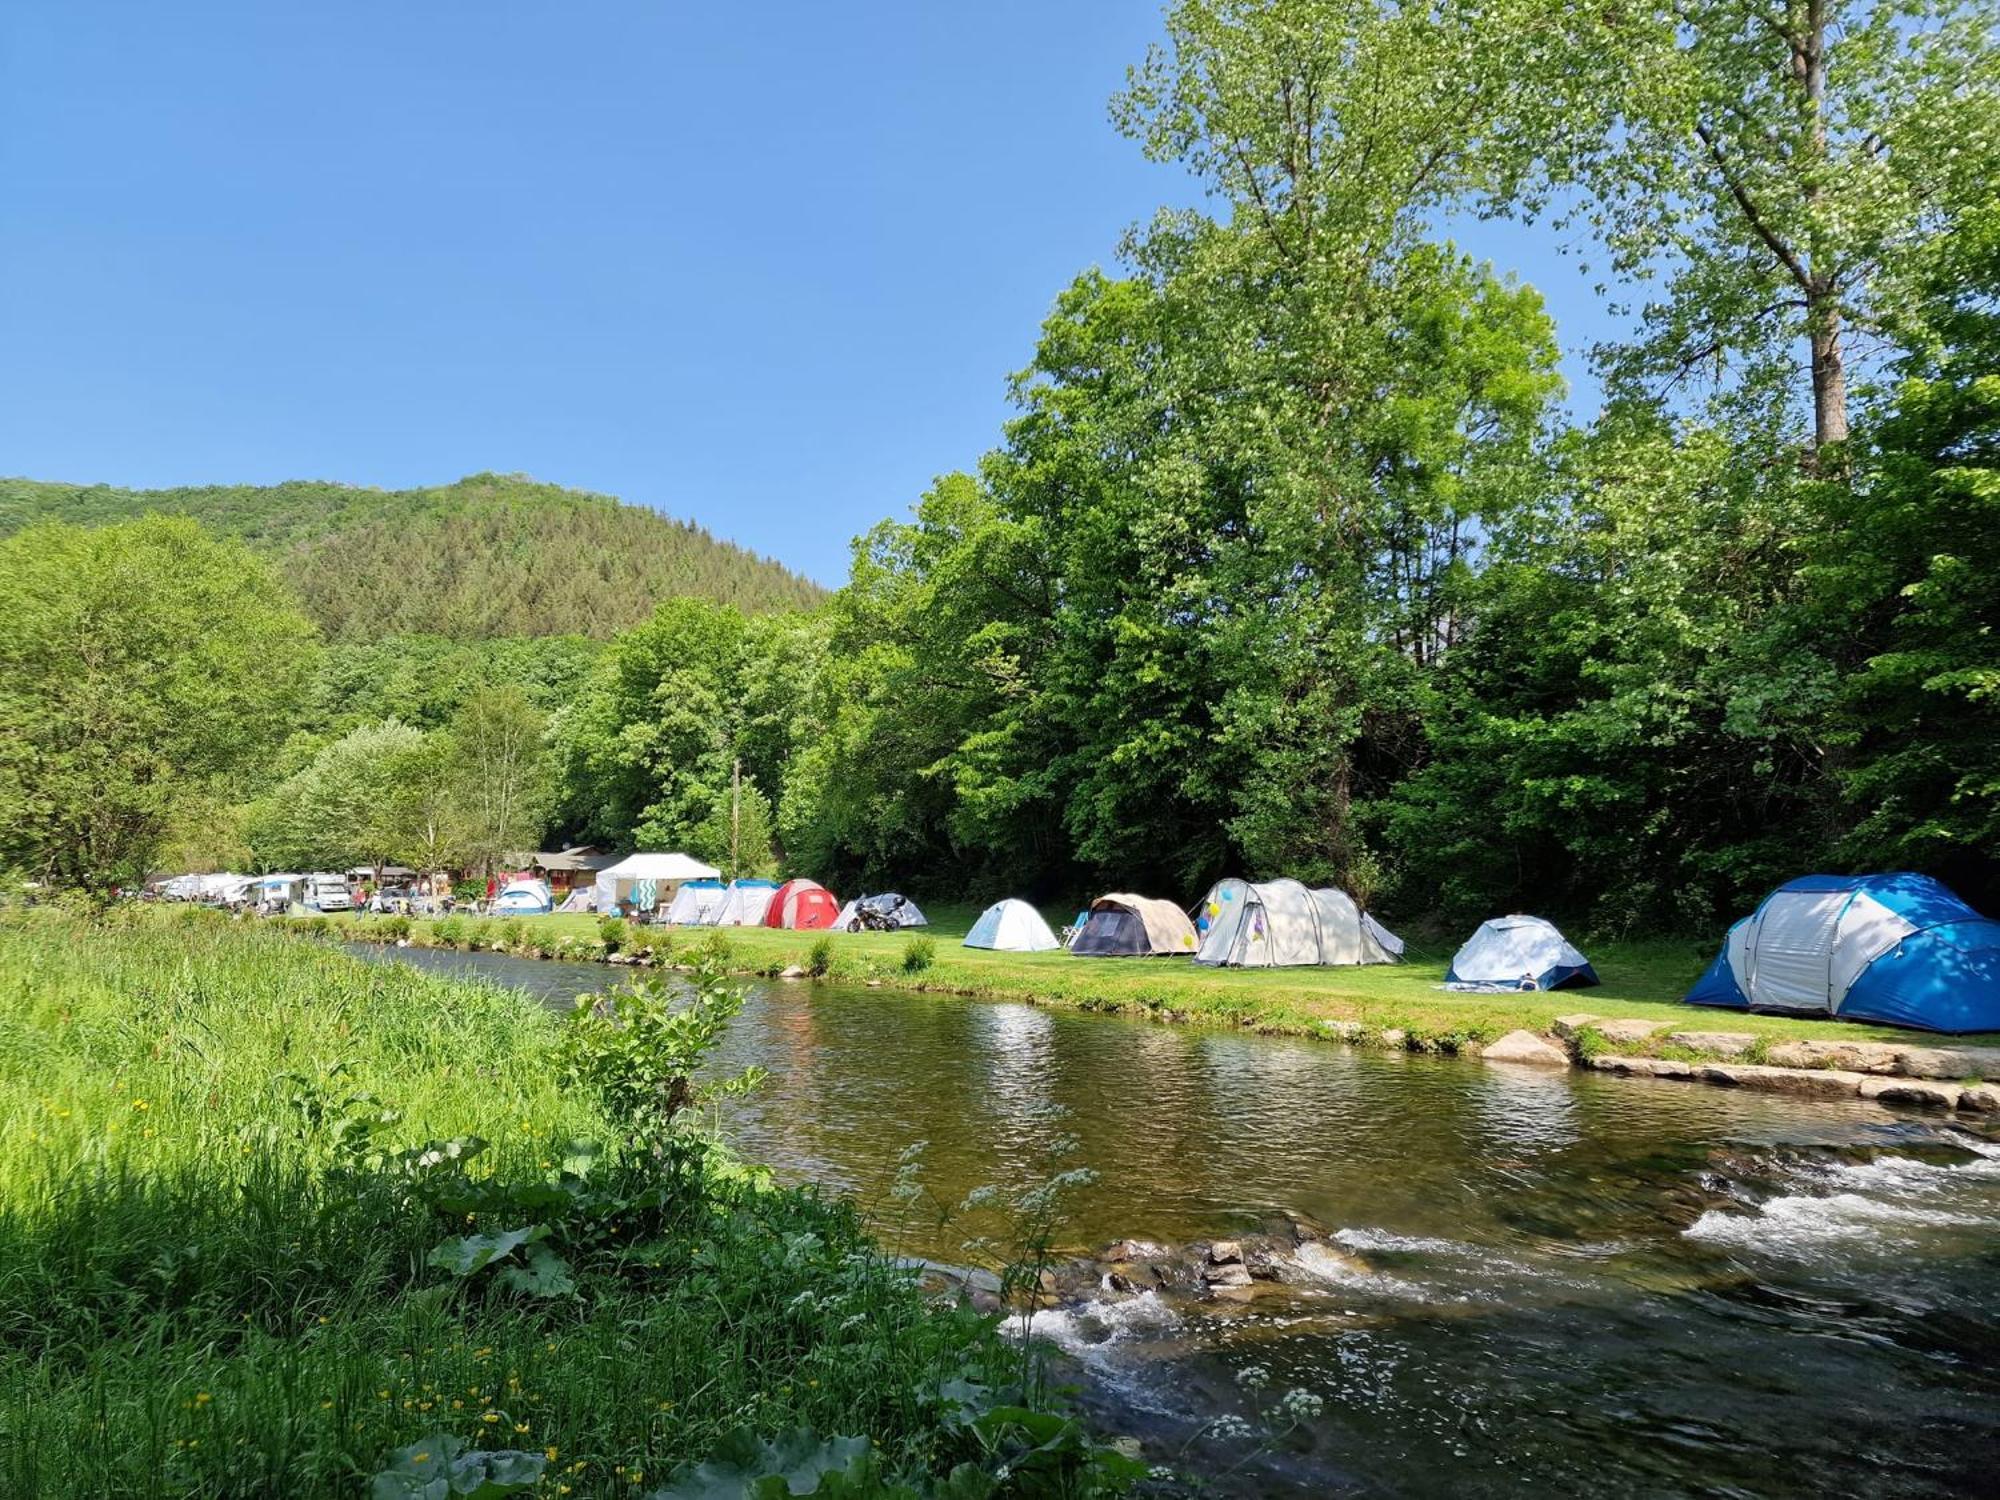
column 1640, row 979
column 243, row 1195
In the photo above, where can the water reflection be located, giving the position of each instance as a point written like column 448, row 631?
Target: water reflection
column 1539, row 1282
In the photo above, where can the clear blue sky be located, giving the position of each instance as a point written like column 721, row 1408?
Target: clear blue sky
column 767, row 265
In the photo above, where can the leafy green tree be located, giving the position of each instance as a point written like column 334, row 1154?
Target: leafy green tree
column 145, row 668
column 502, row 772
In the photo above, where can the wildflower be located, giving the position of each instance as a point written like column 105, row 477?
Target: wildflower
column 550, row 1453
column 1302, row 1405
column 489, row 1417
column 481, row 1353
column 420, row 1458
column 1253, row 1377
column 520, row 1426
column 202, row 1398
column 1231, row 1429
column 457, row 1405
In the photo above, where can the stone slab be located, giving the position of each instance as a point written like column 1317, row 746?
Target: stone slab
column 1528, row 1048
column 1629, row 1030
column 1722, row 1043
column 1924, row 1092
column 1568, row 1026
column 1984, row 1097
column 1804, row 1083
column 1644, row 1067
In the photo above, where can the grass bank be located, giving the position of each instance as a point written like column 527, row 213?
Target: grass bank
column 1641, row 980
column 277, row 1222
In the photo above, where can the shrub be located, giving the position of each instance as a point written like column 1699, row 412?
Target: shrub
column 317, row 926
column 449, row 932
column 613, row 933
column 512, row 932
column 819, row 958
column 919, row 953
column 394, row 928
column 480, row 935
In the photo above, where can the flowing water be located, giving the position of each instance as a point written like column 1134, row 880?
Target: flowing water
column 1533, row 1283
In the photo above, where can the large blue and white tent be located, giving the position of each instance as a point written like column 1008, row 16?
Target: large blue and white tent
column 1899, row 950
column 1518, row 953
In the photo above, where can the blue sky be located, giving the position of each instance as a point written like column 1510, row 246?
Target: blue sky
column 767, row 266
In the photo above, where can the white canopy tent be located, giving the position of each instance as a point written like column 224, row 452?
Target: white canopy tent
column 644, row 881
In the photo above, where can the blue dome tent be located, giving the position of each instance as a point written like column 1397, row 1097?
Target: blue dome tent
column 1898, row 950
column 1518, row 953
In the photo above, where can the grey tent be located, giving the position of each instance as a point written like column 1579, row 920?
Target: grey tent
column 1282, row 924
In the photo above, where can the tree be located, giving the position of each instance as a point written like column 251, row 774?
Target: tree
column 497, row 740
column 144, row 668
column 1788, row 168
column 340, row 809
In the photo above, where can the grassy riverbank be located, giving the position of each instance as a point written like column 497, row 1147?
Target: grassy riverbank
column 1642, row 980
column 251, row 1244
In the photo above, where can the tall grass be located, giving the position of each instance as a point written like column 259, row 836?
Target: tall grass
column 219, row 1241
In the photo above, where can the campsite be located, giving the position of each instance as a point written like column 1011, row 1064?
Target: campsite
column 1169, row 750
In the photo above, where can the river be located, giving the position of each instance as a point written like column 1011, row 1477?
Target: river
column 1536, row 1283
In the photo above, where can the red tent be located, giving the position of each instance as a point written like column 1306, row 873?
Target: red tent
column 802, row 903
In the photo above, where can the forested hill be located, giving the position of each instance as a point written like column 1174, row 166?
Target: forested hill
column 492, row 555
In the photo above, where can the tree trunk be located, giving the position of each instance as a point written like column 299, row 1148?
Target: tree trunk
column 1829, row 380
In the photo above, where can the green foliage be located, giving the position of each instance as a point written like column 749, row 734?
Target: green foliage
column 441, row 1466
column 919, row 953
column 449, row 932
column 513, row 932
column 613, row 933
column 145, row 670
column 819, row 958
column 492, row 555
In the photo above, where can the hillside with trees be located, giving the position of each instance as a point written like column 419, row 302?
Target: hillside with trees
column 491, row 555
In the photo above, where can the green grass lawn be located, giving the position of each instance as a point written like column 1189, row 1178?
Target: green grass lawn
column 1640, row 979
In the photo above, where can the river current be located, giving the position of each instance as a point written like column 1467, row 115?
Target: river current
column 1532, row 1283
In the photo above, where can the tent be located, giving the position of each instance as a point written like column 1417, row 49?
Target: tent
column 1125, row 926
column 580, row 899
column 645, row 880
column 1518, row 953
column 1012, row 927
column 524, row 898
column 1279, row 923
column 802, row 903
column 892, row 912
column 744, row 904
column 1901, row 950
column 696, row 903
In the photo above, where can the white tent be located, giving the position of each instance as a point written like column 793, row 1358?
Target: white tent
column 1281, row 924
column 525, row 898
column 1012, row 926
column 645, row 880
column 696, row 903
column 1517, row 953
column 745, row 903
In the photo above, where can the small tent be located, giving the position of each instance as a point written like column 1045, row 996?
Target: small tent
column 695, row 903
column 1899, row 950
column 644, row 881
column 802, row 904
column 892, row 913
column 1279, row 924
column 1120, row 925
column 1012, row 926
column 524, row 898
column 745, row 904
column 1518, row 953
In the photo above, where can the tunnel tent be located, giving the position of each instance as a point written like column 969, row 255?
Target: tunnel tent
column 696, row 903
column 524, row 898
column 1012, row 926
column 1121, row 925
column 645, row 880
column 1282, row 924
column 894, row 911
column 1518, row 953
column 1898, row 949
column 802, row 904
column 744, row 904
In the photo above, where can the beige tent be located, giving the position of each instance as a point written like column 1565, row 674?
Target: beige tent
column 1120, row 925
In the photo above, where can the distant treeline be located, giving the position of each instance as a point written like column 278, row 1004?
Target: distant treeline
column 492, row 555
column 1293, row 560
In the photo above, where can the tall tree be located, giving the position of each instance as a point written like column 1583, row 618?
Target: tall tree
column 497, row 739
column 143, row 668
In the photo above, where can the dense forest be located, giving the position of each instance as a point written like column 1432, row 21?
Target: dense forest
column 492, row 555
column 1294, row 558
